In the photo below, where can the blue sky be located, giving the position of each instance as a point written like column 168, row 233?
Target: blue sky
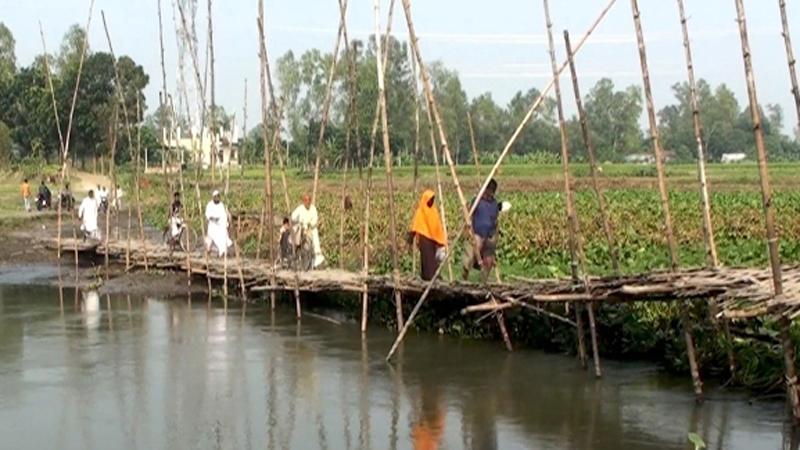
column 498, row 46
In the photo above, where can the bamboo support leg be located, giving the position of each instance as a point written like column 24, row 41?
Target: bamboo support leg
column 598, row 370
column 789, row 365
column 581, row 334
column 691, row 353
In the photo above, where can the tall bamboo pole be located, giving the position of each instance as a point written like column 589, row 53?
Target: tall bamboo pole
column 351, row 116
column 414, row 71
column 130, row 139
column 601, row 199
column 326, row 106
column 474, row 145
column 213, row 125
column 368, row 188
column 576, row 237
column 387, row 154
column 787, row 38
column 244, row 133
column 268, row 223
column 769, row 215
column 58, row 128
column 113, row 145
column 497, row 164
column 708, row 228
column 662, row 187
column 432, row 105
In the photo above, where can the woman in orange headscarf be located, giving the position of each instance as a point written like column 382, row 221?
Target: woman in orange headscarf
column 427, row 228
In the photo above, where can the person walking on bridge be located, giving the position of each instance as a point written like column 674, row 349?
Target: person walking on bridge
column 427, row 228
column 484, row 229
column 87, row 213
column 217, row 216
column 307, row 218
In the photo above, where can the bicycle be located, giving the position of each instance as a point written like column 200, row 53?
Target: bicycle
column 178, row 235
column 303, row 249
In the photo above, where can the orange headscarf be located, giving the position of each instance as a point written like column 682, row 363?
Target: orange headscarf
column 426, row 220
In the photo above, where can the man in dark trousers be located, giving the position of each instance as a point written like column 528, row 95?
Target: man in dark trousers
column 484, row 229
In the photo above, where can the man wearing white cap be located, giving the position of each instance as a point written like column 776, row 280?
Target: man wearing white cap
column 217, row 217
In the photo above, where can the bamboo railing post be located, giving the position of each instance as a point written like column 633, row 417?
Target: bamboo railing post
column 708, row 228
column 113, row 145
column 387, row 154
column 576, row 238
column 662, row 187
column 327, row 103
column 601, row 200
column 267, row 224
column 769, row 215
column 497, row 164
column 787, row 38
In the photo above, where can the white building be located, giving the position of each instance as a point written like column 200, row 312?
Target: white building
column 200, row 147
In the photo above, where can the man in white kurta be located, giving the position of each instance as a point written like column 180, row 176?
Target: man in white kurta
column 88, row 216
column 217, row 217
column 306, row 216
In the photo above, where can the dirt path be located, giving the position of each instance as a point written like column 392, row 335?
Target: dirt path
column 87, row 181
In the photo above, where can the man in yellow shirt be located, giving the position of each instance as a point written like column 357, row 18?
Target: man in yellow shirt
column 26, row 194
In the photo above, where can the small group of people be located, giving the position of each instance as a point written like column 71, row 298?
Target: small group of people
column 428, row 232
column 45, row 196
column 90, row 208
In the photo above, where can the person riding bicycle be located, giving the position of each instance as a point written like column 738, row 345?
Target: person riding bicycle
column 175, row 221
column 306, row 218
column 285, row 244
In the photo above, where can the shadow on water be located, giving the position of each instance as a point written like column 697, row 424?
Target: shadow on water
column 87, row 372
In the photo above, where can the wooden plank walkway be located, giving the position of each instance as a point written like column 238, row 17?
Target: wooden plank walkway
column 742, row 293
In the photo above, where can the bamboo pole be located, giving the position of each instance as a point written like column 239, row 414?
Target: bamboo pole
column 368, row 187
column 662, row 187
column 432, row 105
column 213, row 124
column 769, row 215
column 576, row 237
column 268, row 223
column 244, row 134
column 130, row 138
column 326, row 106
column 708, row 229
column 387, row 154
column 601, row 200
column 113, row 145
column 787, row 38
column 496, row 166
column 58, row 128
column 198, row 155
column 474, row 145
column 351, row 109
column 414, row 70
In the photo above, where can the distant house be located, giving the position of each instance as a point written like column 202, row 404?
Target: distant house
column 200, row 147
column 641, row 158
column 729, row 158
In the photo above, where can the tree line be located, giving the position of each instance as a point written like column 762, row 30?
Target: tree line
column 28, row 128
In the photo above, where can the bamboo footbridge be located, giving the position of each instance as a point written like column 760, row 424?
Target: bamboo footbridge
column 741, row 293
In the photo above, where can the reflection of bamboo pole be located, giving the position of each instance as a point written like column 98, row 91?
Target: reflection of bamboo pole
column 387, row 154
column 496, row 166
column 576, row 237
column 766, row 192
column 787, row 38
column 326, row 106
column 662, row 187
column 601, row 200
column 368, row 188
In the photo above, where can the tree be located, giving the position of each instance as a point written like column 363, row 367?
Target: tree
column 6, row 145
column 8, row 59
column 452, row 101
column 613, row 118
column 69, row 54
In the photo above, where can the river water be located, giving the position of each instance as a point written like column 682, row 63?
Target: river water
column 79, row 371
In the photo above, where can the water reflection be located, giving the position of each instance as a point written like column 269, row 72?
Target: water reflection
column 122, row 372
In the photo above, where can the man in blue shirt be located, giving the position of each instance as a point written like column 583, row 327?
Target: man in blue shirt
column 484, row 228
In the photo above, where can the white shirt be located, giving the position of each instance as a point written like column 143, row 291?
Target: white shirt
column 216, row 214
column 307, row 217
column 88, row 214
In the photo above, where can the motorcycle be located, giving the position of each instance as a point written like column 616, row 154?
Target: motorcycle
column 42, row 202
column 67, row 201
column 104, row 204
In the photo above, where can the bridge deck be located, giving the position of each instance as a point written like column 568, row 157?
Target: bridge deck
column 742, row 293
